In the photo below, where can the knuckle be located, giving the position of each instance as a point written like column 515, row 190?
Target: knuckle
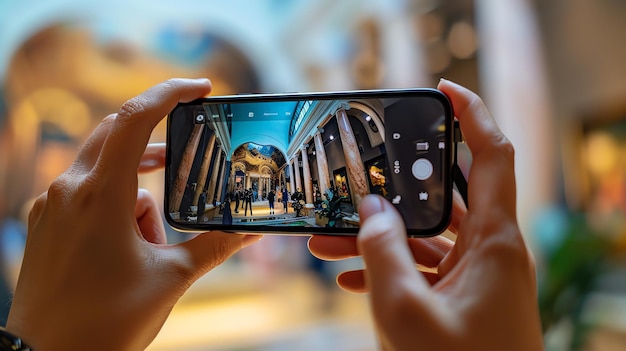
column 109, row 119
column 507, row 245
column 71, row 191
column 37, row 208
column 129, row 109
column 501, row 147
column 506, row 147
column 60, row 189
column 474, row 103
column 222, row 250
column 171, row 83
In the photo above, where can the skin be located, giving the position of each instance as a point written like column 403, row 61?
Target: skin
column 483, row 292
column 97, row 270
column 98, row 273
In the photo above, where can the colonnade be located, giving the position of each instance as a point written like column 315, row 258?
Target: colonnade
column 354, row 164
column 264, row 181
column 211, row 159
column 215, row 187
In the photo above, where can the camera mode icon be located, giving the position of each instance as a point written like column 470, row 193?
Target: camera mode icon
column 200, row 119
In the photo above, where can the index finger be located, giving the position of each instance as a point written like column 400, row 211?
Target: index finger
column 491, row 183
column 129, row 135
column 426, row 251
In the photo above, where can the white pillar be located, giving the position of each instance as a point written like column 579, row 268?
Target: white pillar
column 514, row 87
column 297, row 172
column 292, row 178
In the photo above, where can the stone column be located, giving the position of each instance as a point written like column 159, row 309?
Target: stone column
column 220, row 187
column 354, row 164
column 308, row 185
column 231, row 178
column 513, row 73
column 296, row 169
column 322, row 164
column 204, row 169
column 248, row 180
column 214, row 174
column 226, row 187
column 264, row 182
column 292, row 178
column 283, row 179
column 182, row 176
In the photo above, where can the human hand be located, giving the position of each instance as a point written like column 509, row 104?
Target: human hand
column 97, row 272
column 482, row 294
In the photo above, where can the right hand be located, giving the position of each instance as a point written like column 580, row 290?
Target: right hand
column 483, row 293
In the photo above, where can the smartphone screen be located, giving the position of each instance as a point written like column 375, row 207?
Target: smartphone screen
column 302, row 163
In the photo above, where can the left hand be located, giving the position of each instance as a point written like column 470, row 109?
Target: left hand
column 98, row 273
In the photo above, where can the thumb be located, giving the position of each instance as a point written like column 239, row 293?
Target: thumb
column 383, row 243
column 208, row 250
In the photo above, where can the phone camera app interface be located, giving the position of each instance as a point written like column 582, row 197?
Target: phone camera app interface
column 307, row 163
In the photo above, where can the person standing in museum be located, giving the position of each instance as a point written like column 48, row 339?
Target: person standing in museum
column 318, row 197
column 271, row 197
column 247, row 199
column 227, row 216
column 297, row 198
column 201, row 207
column 285, row 199
column 242, row 194
column 237, row 195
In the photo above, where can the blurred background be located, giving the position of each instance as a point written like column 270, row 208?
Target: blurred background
column 551, row 72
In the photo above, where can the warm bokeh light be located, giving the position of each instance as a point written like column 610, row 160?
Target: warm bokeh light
column 60, row 108
column 462, row 40
column 602, row 154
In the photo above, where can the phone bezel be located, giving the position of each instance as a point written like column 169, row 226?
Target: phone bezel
column 449, row 158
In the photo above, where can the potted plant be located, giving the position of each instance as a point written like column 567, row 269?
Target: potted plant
column 330, row 209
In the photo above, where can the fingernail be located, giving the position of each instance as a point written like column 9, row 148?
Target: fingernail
column 371, row 205
column 250, row 239
column 148, row 163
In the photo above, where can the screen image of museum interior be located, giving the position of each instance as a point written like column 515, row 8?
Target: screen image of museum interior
column 313, row 159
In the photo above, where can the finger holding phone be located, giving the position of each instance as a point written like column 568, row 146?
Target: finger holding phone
column 97, row 271
column 481, row 294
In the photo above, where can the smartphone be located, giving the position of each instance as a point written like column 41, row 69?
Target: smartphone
column 301, row 163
